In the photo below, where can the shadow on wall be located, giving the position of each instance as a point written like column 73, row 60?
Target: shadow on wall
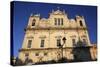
column 81, row 52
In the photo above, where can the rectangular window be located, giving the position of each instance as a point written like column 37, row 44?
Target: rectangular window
column 84, row 41
column 58, row 42
column 61, row 21
column 55, row 21
column 37, row 54
column 74, row 42
column 26, row 56
column 29, row 43
column 42, row 43
column 58, row 21
column 45, row 54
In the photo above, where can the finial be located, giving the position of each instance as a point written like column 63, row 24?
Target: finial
column 37, row 14
column 31, row 14
column 64, row 11
column 82, row 16
column 58, row 8
column 52, row 10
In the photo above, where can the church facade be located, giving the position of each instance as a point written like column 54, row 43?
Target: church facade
column 54, row 37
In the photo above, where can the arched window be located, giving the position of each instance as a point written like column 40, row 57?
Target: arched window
column 81, row 24
column 33, row 22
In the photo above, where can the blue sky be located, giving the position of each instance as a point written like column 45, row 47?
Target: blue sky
column 22, row 11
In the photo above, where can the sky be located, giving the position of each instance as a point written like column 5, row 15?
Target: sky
column 22, row 11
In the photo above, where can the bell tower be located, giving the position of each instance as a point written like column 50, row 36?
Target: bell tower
column 82, row 30
column 33, row 20
column 80, row 21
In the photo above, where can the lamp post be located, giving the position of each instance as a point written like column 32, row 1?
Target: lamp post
column 64, row 41
column 61, row 46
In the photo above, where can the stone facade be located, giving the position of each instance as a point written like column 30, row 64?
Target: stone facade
column 44, row 35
